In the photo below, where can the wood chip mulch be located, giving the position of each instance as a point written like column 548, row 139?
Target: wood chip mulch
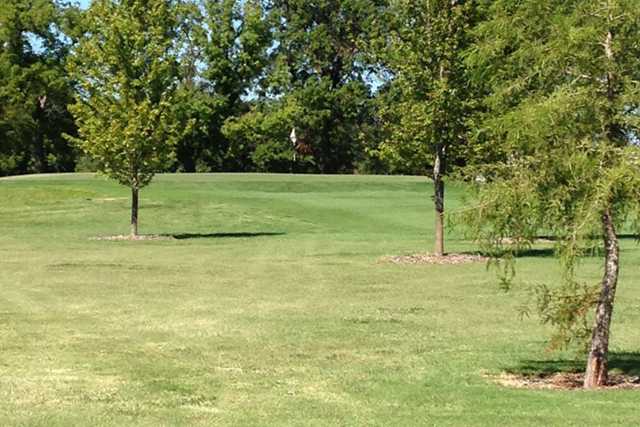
column 128, row 237
column 563, row 381
column 449, row 259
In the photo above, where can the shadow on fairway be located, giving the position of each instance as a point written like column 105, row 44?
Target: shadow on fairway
column 525, row 253
column 621, row 236
column 627, row 363
column 549, row 252
column 186, row 236
column 535, row 253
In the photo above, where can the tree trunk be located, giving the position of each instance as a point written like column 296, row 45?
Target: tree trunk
column 134, row 211
column 597, row 370
column 39, row 154
column 438, row 199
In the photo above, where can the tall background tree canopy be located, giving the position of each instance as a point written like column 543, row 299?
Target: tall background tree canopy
column 318, row 83
column 225, row 52
column 250, row 71
column 34, row 87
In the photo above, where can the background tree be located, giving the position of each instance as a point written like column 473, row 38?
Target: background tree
column 427, row 101
column 34, row 89
column 564, row 79
column 125, row 68
column 318, row 65
column 236, row 57
column 225, row 52
column 262, row 135
column 191, row 102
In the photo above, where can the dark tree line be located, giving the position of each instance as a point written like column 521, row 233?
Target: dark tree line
column 34, row 87
column 249, row 72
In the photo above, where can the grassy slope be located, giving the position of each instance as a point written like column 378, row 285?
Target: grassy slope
column 300, row 328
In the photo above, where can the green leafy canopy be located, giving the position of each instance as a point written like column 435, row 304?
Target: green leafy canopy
column 125, row 69
column 562, row 116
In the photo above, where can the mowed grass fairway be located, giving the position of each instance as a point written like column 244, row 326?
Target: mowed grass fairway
column 272, row 308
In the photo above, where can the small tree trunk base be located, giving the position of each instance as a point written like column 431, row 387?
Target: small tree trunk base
column 439, row 243
column 438, row 200
column 596, row 374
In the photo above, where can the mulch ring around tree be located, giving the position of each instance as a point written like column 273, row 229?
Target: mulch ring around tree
column 563, row 381
column 448, row 259
column 128, row 237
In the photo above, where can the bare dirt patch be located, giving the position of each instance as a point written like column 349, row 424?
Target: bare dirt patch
column 128, row 237
column 563, row 381
column 448, row 259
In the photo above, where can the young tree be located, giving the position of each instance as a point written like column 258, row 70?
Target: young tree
column 427, row 101
column 565, row 84
column 125, row 69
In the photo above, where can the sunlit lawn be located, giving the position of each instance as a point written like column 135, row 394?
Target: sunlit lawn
column 272, row 307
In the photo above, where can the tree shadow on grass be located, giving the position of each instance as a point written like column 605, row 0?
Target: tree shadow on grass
column 621, row 236
column 535, row 253
column 235, row 235
column 525, row 253
column 626, row 363
column 629, row 237
column 549, row 252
